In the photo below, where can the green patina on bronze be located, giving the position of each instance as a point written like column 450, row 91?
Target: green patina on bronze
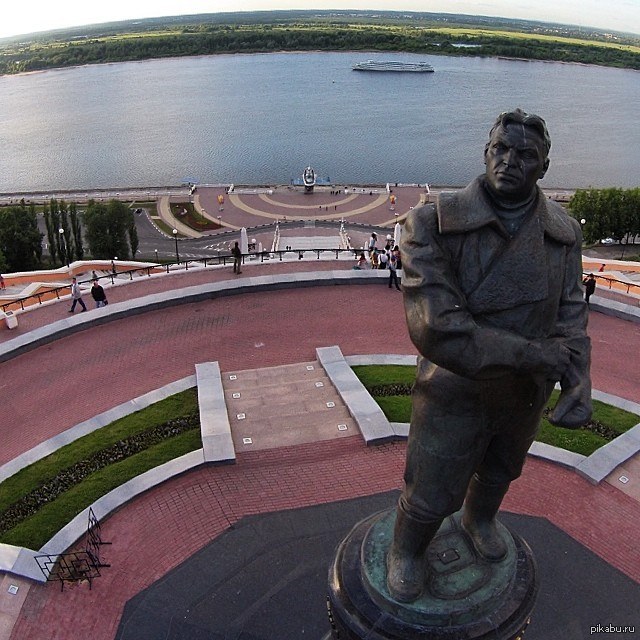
column 460, row 586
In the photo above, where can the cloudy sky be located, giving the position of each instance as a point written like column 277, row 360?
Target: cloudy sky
column 27, row 16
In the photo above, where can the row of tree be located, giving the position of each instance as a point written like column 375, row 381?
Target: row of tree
column 20, row 239
column 64, row 233
column 211, row 39
column 607, row 213
column 109, row 230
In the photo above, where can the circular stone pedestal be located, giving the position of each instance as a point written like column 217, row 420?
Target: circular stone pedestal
column 465, row 597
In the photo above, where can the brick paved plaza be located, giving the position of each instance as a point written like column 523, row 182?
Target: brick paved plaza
column 58, row 385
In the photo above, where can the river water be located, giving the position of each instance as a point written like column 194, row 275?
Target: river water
column 260, row 119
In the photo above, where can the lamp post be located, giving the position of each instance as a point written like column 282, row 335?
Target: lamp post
column 175, row 237
column 64, row 245
column 156, row 255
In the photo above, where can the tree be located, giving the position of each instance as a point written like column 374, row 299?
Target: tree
column 37, row 246
column 133, row 237
column 607, row 213
column 55, row 224
column 107, row 229
column 20, row 239
column 52, row 232
column 76, row 230
column 68, row 245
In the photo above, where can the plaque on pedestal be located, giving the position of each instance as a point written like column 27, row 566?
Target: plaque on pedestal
column 465, row 596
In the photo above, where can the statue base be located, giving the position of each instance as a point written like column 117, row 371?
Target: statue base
column 465, row 596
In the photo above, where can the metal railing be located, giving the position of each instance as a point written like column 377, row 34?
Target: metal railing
column 47, row 295
column 611, row 281
column 56, row 292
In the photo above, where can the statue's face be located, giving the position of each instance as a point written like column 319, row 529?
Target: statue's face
column 515, row 159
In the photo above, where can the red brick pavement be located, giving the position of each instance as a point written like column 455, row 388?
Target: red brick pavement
column 142, row 286
column 58, row 385
column 87, row 373
column 167, row 525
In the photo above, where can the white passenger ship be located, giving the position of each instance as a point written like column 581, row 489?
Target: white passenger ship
column 392, row 65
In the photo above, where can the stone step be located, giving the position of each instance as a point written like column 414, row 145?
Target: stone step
column 281, row 412
column 283, row 406
column 280, row 389
column 271, row 376
column 290, row 406
column 281, row 431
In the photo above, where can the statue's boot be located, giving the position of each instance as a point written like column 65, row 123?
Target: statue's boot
column 405, row 559
column 479, row 518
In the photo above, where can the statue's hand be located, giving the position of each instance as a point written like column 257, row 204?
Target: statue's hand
column 550, row 357
column 573, row 408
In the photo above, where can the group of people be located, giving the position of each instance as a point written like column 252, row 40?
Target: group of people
column 97, row 293
column 387, row 258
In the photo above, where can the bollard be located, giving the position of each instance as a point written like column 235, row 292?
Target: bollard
column 10, row 319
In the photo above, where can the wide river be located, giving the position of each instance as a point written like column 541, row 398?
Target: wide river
column 260, row 119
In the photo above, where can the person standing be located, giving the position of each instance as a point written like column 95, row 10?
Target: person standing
column 589, row 286
column 76, row 295
column 393, row 271
column 372, row 242
column 98, row 294
column 237, row 258
column 2, row 286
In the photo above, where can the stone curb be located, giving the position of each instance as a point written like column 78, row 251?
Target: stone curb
column 603, row 461
column 372, row 422
column 594, row 468
column 217, row 448
column 366, row 412
column 614, row 308
column 95, row 317
column 214, row 419
column 92, row 424
column 21, row 561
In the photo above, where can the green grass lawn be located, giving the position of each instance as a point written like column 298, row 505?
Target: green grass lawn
column 397, row 408
column 34, row 531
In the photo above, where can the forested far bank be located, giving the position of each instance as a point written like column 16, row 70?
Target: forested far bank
column 208, row 39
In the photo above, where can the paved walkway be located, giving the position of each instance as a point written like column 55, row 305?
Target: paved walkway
column 58, row 385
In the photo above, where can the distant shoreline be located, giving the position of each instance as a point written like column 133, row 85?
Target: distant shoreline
column 153, row 193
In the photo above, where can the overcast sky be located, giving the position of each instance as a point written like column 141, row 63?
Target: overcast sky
column 28, row 16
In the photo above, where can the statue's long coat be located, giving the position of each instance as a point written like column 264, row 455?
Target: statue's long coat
column 478, row 304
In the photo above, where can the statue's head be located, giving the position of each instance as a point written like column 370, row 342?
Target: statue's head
column 516, row 156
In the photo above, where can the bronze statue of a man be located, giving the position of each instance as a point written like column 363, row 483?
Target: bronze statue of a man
column 494, row 306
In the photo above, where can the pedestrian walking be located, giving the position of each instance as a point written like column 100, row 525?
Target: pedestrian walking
column 98, row 294
column 2, row 286
column 237, row 258
column 76, row 294
column 393, row 273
